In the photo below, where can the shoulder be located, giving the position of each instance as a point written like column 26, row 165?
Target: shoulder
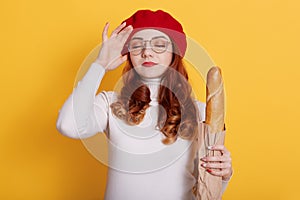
column 107, row 96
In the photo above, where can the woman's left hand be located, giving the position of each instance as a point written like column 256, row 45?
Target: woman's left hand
column 218, row 165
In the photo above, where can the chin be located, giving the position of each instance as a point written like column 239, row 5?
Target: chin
column 151, row 72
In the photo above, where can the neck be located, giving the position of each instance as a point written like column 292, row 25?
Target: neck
column 150, row 80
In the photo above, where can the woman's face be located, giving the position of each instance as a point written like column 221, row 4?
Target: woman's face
column 150, row 53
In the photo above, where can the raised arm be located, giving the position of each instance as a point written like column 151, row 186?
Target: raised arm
column 76, row 118
column 84, row 114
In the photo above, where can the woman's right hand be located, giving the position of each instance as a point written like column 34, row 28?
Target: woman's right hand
column 110, row 52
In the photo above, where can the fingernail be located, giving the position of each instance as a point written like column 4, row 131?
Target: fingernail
column 209, row 170
column 210, row 147
column 203, row 159
column 203, row 164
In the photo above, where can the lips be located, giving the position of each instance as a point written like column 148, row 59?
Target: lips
column 149, row 64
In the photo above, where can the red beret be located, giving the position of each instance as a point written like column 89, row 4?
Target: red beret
column 158, row 20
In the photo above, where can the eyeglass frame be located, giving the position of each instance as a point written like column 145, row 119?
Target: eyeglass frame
column 145, row 46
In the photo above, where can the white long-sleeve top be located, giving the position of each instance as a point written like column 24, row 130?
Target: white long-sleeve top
column 140, row 165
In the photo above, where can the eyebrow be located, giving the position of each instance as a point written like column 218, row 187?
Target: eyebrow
column 137, row 38
column 161, row 36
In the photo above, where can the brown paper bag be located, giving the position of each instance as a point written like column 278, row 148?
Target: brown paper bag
column 208, row 187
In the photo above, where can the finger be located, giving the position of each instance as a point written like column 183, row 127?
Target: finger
column 104, row 33
column 221, row 148
column 217, row 165
column 125, row 33
column 223, row 158
column 124, row 58
column 119, row 60
column 218, row 172
column 118, row 28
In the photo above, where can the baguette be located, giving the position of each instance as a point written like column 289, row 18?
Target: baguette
column 215, row 100
column 211, row 133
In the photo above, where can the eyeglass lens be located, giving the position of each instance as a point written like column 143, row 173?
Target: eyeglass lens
column 157, row 44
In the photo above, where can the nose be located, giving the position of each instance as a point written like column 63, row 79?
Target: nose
column 147, row 51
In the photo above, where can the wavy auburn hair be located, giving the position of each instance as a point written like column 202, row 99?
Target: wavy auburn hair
column 177, row 113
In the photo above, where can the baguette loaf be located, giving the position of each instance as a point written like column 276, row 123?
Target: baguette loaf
column 211, row 133
column 215, row 100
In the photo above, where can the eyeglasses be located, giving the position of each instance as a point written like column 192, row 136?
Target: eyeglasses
column 158, row 44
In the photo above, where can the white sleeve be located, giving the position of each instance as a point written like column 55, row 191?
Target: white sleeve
column 84, row 114
column 224, row 186
column 225, row 183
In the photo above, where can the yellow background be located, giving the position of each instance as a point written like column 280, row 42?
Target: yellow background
column 43, row 43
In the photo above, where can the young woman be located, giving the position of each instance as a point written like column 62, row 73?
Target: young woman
column 152, row 122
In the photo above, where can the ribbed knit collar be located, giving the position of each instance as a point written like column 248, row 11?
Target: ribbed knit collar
column 153, row 85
